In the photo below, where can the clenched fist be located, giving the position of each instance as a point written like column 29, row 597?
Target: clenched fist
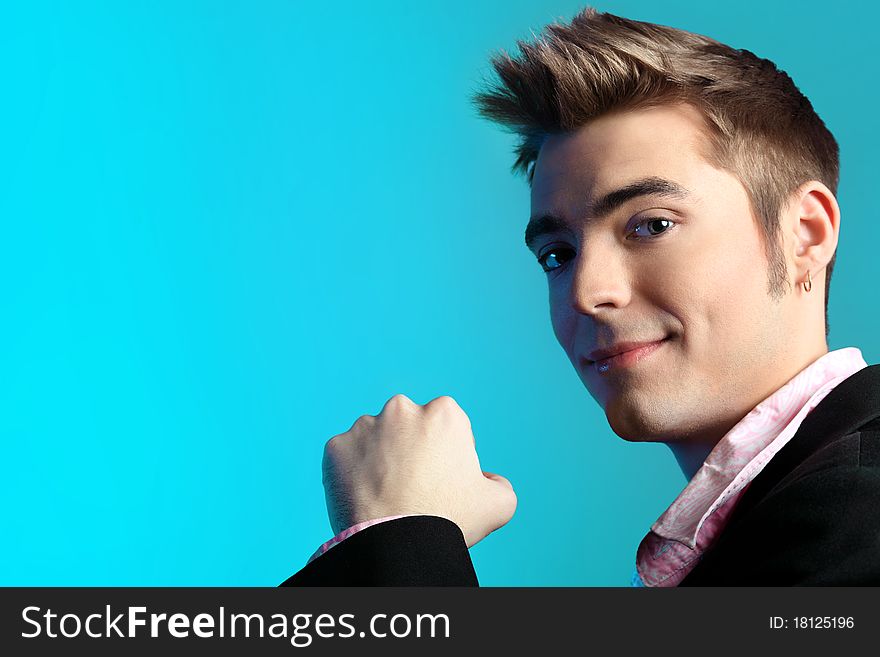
column 413, row 459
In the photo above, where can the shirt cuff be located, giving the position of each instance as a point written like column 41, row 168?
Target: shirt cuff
column 354, row 529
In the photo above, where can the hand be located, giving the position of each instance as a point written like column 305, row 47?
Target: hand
column 413, row 459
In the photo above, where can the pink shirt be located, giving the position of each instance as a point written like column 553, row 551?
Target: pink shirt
column 695, row 519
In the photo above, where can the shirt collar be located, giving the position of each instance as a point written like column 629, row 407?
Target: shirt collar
column 744, row 450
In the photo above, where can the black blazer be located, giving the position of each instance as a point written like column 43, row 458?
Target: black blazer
column 810, row 517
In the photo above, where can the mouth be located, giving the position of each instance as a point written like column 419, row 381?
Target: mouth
column 627, row 358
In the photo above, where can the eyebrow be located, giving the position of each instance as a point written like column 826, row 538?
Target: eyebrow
column 652, row 186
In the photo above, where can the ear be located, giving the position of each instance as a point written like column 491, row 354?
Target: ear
column 814, row 226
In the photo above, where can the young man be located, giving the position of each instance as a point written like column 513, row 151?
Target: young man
column 683, row 207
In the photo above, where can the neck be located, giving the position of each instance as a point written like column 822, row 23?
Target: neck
column 690, row 456
column 692, row 452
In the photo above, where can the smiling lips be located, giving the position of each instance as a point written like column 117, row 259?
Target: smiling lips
column 623, row 354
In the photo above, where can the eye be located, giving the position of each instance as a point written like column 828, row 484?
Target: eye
column 660, row 224
column 553, row 258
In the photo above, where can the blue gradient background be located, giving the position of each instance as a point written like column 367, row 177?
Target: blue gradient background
column 229, row 229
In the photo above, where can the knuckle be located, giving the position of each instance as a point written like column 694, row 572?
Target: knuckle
column 399, row 403
column 447, row 404
column 333, row 443
column 445, row 400
column 451, row 408
column 360, row 424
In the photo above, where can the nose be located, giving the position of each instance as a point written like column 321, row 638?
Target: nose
column 599, row 280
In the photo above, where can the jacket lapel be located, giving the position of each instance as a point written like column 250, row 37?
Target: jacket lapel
column 852, row 403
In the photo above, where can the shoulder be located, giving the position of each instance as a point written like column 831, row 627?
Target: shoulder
column 855, row 454
column 818, row 527
column 842, row 431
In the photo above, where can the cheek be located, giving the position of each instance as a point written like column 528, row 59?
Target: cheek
column 727, row 298
column 741, row 278
column 563, row 319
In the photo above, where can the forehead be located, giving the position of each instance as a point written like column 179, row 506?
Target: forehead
column 667, row 141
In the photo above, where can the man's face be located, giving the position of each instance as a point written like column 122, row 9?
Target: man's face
column 684, row 263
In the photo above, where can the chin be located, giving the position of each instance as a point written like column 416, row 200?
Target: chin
column 637, row 425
